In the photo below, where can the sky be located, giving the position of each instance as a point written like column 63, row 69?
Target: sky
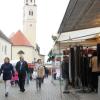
column 49, row 16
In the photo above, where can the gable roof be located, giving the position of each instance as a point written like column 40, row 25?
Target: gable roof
column 81, row 14
column 18, row 39
column 4, row 37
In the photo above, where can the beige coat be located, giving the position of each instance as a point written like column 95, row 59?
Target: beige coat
column 41, row 72
column 95, row 67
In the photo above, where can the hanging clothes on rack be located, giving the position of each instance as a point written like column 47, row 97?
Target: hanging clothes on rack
column 85, row 71
column 72, row 66
column 77, row 65
column 85, row 62
column 70, row 75
column 98, row 54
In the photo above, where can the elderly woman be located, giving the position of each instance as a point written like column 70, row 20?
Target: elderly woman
column 7, row 70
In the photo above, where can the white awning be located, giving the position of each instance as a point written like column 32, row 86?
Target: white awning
column 79, row 34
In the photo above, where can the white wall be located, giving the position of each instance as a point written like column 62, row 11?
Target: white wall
column 29, row 55
column 29, row 23
column 4, row 53
column 26, row 15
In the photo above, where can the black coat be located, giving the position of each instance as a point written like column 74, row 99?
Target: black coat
column 65, row 69
column 7, row 70
column 24, row 69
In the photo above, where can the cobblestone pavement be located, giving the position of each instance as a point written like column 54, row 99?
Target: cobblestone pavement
column 49, row 91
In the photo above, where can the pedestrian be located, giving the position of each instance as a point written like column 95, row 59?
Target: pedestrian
column 65, row 73
column 46, row 71
column 27, row 78
column 22, row 69
column 95, row 72
column 54, row 73
column 40, row 74
column 8, row 71
column 14, row 80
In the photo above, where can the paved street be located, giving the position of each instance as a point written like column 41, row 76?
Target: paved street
column 49, row 91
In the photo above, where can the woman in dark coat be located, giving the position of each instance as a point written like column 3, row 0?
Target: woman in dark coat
column 7, row 70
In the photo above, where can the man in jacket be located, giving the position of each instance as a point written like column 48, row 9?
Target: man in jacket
column 22, row 69
column 65, row 72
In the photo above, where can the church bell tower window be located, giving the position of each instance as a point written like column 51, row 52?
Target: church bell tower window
column 31, row 12
column 26, row 2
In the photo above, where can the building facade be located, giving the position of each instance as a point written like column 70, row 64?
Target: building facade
column 21, row 43
column 5, row 47
column 42, row 58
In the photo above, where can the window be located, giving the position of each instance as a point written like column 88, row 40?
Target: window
column 2, row 48
column 5, row 49
column 20, row 52
column 26, row 2
column 31, row 13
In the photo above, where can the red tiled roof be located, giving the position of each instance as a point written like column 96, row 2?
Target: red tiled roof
column 18, row 39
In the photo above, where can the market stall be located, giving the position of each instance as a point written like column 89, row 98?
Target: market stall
column 80, row 51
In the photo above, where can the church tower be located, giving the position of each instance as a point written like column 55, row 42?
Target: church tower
column 29, row 21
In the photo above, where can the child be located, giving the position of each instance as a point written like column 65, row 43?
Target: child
column 14, row 80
